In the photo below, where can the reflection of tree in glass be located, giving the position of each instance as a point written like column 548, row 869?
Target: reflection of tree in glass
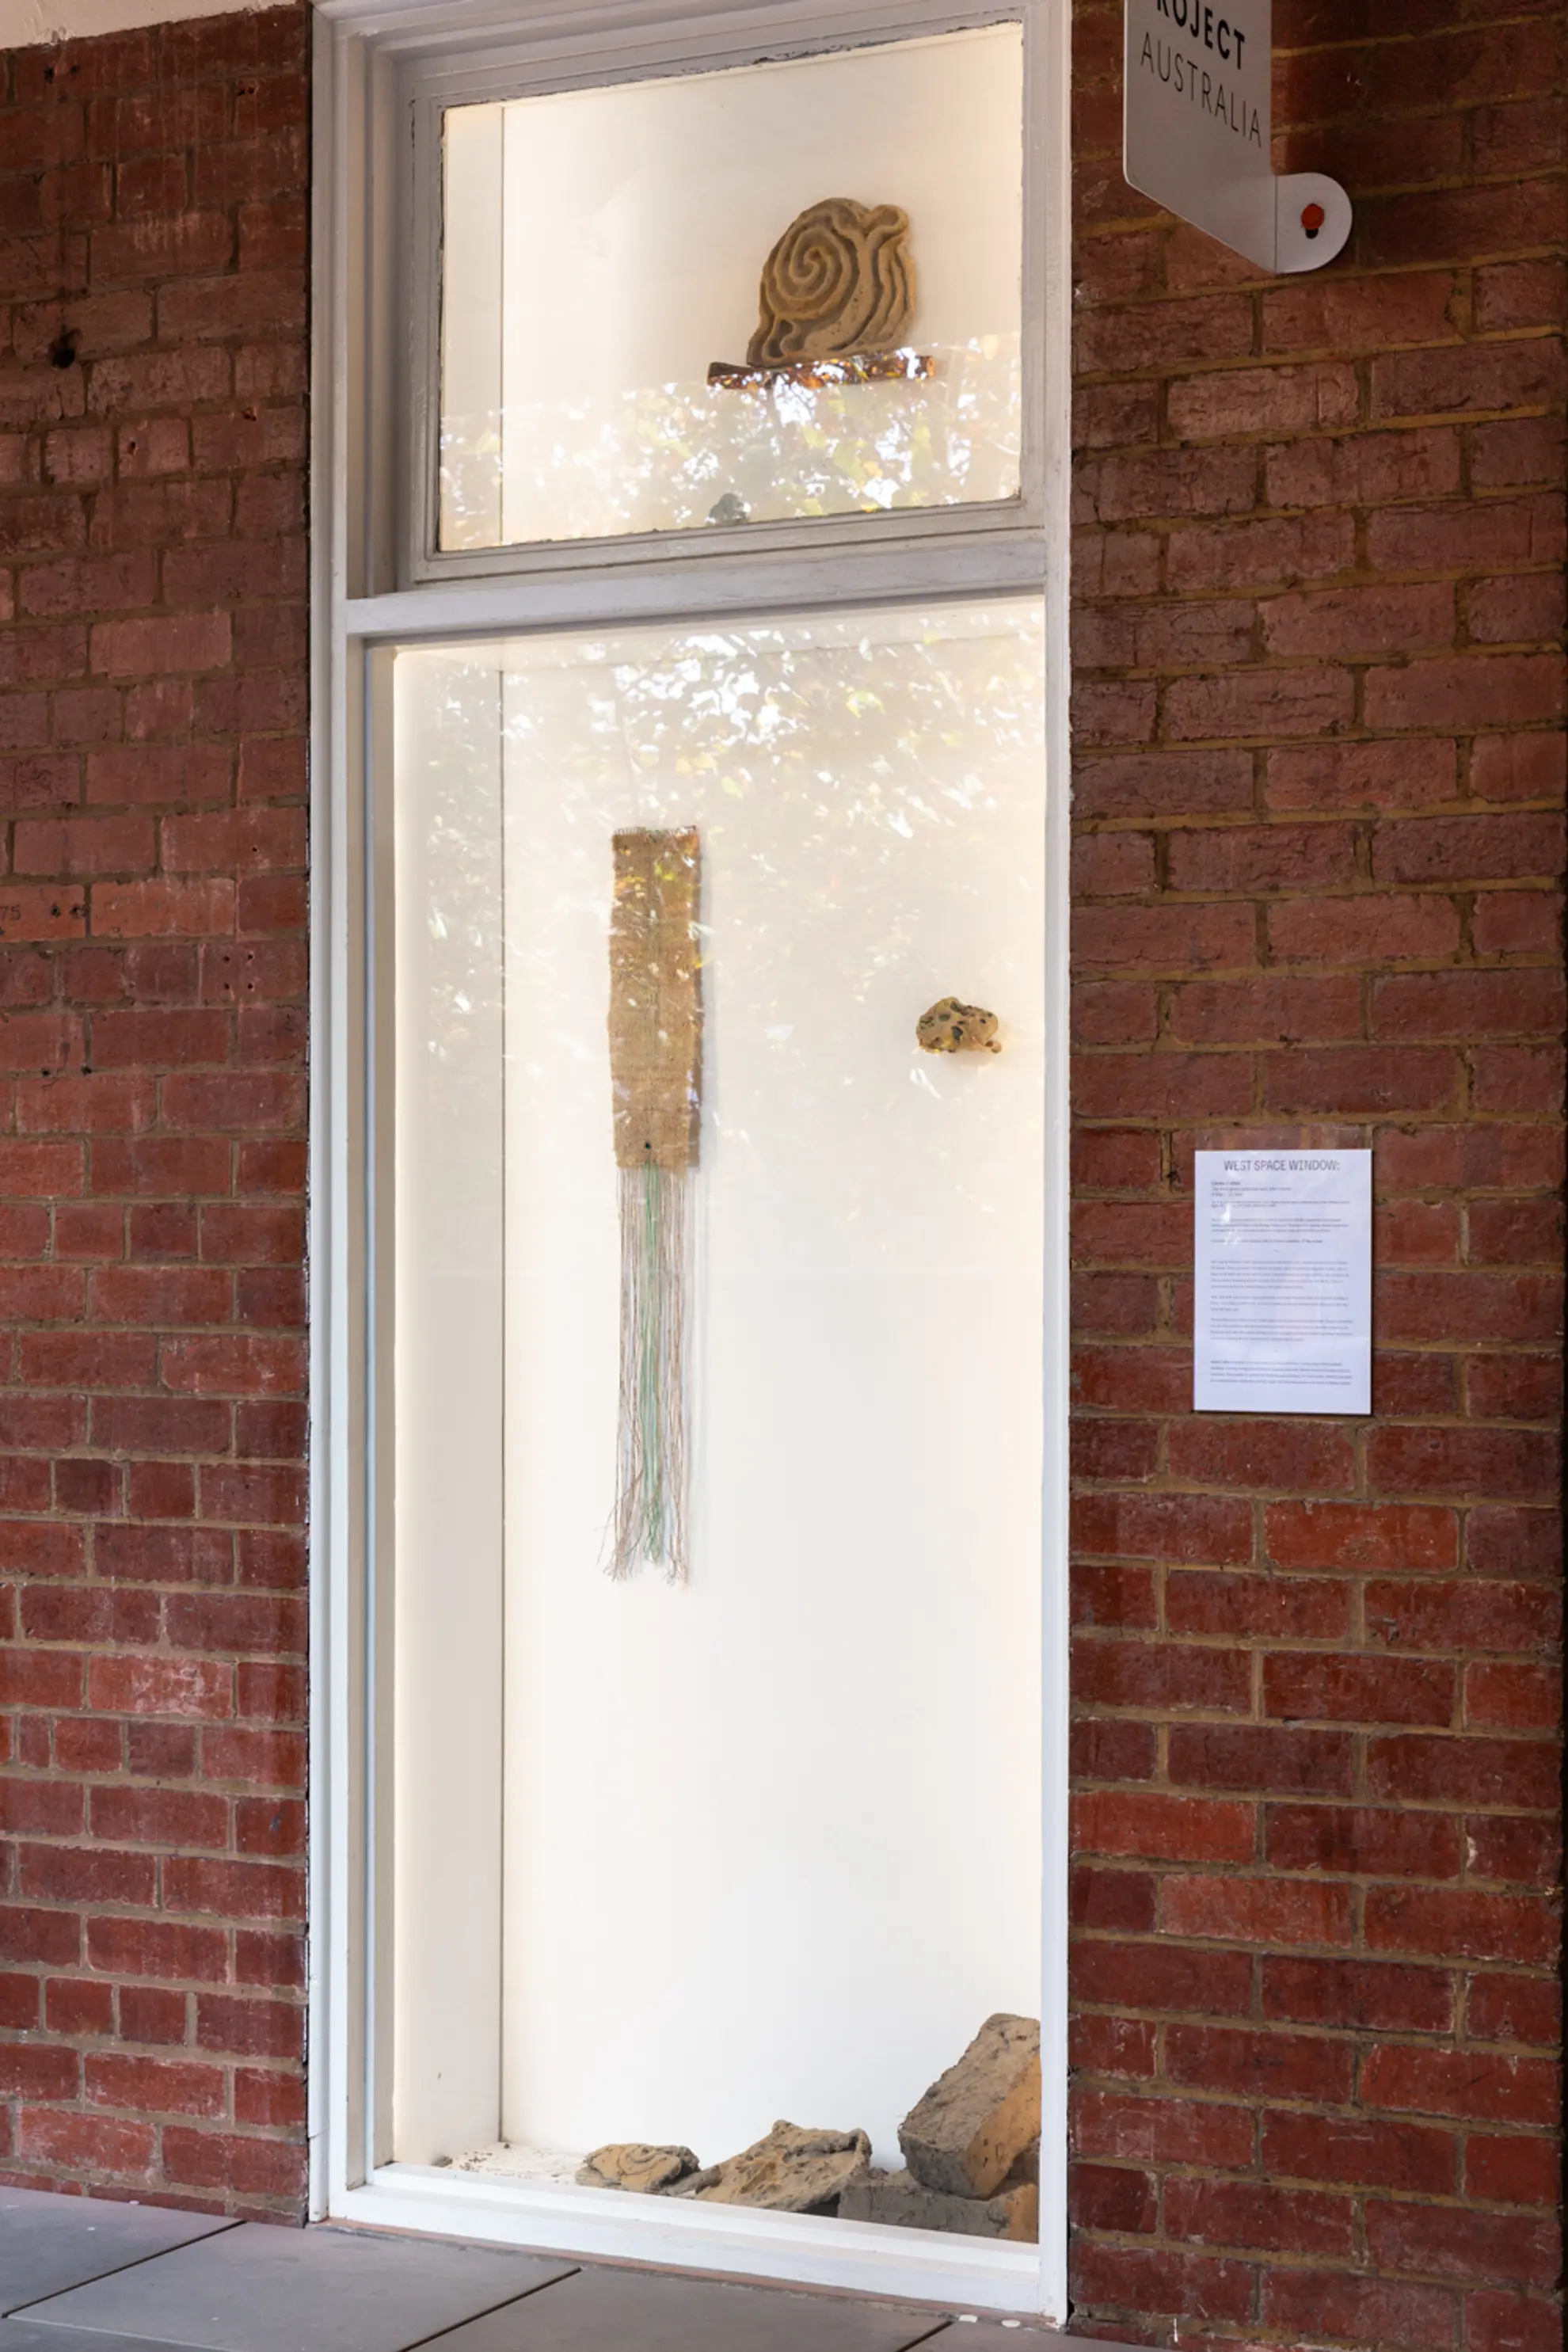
column 660, row 458
column 882, row 762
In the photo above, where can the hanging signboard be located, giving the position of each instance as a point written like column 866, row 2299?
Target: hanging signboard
column 1197, row 129
column 1282, row 1266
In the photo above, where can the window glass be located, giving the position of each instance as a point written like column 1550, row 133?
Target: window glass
column 604, row 248
column 772, row 1830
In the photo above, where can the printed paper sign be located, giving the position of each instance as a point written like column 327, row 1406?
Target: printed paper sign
column 1282, row 1315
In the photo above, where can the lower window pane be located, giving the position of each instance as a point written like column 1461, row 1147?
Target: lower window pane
column 677, row 1856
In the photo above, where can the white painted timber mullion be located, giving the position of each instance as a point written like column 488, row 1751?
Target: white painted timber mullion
column 334, row 1632
column 1050, row 177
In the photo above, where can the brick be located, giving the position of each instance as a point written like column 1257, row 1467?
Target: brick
column 1354, row 1689
column 1373, row 469
column 156, row 1948
column 1343, row 2308
column 1267, row 1759
column 1356, row 931
column 155, row 771
column 270, row 301
column 1453, row 1923
column 1267, row 703
column 1105, row 714
column 1512, row 2170
column 1279, row 399
column 1437, row 2242
column 1173, row 1526
column 1458, row 1461
column 1358, row 621
column 1246, row 2215
column 266, row 2096
column 84, row 846
column 1131, row 487
column 1481, row 538
column 1361, row 2154
column 1513, row 1697
column 1514, row 2008
column 1508, row 922
column 1467, row 692
column 242, row 1890
column 1254, row 2064
column 1528, row 374
column 1174, row 937
column 1262, row 859
column 1522, row 608
column 1509, row 454
column 1469, row 849
column 1194, row 2285
column 139, row 648
column 1366, row 313
column 1253, row 1607
column 1112, row 1751
column 1123, row 341
column 1255, row 1910
column 1467, row 1003
column 1161, row 1976
column 1140, row 1675
column 183, row 1686
column 1517, row 1078
column 158, row 909
column 1255, row 1452
column 1415, row 1232
column 1468, row 1615
column 1111, row 2197
column 1162, row 782
column 1119, row 2127
column 1469, row 1770
column 1494, row 2088
column 1355, row 1081
column 1375, row 1997
column 1165, row 1828
column 247, row 2164
column 160, row 1817
column 1200, row 1086
column 1120, row 2048
column 261, row 2029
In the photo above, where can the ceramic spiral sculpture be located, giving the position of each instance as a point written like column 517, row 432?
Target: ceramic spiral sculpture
column 839, row 280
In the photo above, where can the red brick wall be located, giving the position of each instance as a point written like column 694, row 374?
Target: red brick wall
column 1318, row 838
column 153, row 704
column 1319, row 786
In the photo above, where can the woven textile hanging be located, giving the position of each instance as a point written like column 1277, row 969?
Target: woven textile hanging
column 656, row 1076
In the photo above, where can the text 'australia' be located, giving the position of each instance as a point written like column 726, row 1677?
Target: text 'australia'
column 1205, row 89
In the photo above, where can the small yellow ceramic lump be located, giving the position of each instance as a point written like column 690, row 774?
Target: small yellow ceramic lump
column 951, row 1028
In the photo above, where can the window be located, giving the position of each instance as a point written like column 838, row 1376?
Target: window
column 602, row 248
column 653, row 601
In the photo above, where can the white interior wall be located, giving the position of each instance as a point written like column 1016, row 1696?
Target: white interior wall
column 665, row 196
column 771, row 1839
column 618, row 234
column 443, row 1196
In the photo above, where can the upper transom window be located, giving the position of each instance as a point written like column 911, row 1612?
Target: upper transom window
column 717, row 300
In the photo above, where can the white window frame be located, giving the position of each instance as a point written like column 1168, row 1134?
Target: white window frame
column 378, row 582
